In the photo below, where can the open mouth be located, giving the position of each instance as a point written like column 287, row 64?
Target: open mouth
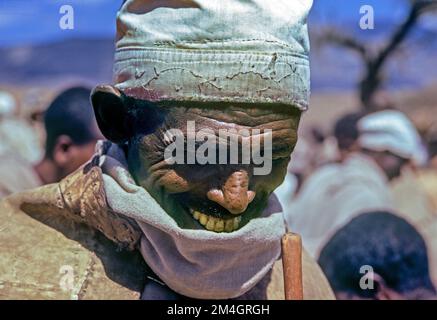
column 216, row 224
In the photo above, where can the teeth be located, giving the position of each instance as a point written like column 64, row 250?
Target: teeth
column 229, row 225
column 211, row 224
column 203, row 219
column 216, row 224
column 220, row 225
column 196, row 215
column 236, row 222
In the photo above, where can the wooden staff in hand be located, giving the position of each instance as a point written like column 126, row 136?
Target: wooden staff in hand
column 292, row 264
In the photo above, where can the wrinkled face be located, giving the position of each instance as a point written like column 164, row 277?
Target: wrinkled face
column 209, row 166
column 220, row 196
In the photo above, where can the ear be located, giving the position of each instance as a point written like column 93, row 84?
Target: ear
column 384, row 292
column 111, row 111
column 61, row 150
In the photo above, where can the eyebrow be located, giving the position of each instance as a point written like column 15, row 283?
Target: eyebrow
column 281, row 148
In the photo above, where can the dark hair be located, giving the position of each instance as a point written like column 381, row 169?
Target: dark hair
column 346, row 130
column 387, row 243
column 70, row 114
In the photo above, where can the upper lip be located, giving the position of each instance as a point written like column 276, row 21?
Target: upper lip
column 206, row 206
column 212, row 209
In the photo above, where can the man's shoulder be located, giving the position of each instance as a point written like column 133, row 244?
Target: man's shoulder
column 359, row 167
column 47, row 255
column 358, row 172
column 321, row 179
column 326, row 171
column 77, row 193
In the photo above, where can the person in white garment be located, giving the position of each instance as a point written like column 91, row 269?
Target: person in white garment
column 380, row 145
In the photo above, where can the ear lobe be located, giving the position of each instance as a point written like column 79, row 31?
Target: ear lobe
column 112, row 114
column 62, row 151
column 383, row 291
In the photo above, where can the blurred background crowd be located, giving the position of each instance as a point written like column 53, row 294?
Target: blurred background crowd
column 361, row 187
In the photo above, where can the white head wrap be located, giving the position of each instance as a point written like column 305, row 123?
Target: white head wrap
column 7, row 104
column 391, row 131
column 249, row 51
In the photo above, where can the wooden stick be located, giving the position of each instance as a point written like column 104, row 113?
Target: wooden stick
column 292, row 264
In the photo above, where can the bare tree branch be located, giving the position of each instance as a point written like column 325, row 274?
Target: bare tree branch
column 417, row 9
column 374, row 62
column 335, row 37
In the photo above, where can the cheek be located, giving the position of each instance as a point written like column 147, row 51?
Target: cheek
column 268, row 183
column 89, row 150
column 145, row 158
column 82, row 154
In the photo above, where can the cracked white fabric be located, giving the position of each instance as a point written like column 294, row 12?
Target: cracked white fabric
column 195, row 263
column 248, row 51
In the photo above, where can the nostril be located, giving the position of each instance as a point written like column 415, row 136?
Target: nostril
column 251, row 195
column 215, row 195
column 235, row 203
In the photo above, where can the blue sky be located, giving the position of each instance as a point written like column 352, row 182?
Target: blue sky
column 349, row 9
column 37, row 21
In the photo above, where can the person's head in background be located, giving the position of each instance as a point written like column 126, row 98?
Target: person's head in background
column 382, row 249
column 71, row 134
column 391, row 139
column 346, row 133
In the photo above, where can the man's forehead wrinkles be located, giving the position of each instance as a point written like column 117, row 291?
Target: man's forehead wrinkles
column 216, row 125
column 245, row 117
column 277, row 142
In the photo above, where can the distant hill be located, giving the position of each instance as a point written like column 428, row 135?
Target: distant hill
column 89, row 60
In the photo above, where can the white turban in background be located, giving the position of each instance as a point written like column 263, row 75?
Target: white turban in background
column 392, row 131
column 7, row 104
column 248, row 51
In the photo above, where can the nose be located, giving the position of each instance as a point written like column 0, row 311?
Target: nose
column 234, row 195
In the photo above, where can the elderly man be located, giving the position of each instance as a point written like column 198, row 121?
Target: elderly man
column 223, row 82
